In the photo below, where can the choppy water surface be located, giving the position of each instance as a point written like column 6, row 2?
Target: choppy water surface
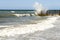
column 11, row 26
column 7, row 18
column 21, row 20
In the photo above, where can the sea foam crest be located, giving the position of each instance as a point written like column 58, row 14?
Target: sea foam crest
column 12, row 31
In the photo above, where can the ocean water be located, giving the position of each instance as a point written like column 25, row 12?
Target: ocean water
column 12, row 26
column 8, row 18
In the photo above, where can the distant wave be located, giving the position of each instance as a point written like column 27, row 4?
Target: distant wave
column 15, row 15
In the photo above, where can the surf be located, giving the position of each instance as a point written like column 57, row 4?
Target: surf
column 31, row 28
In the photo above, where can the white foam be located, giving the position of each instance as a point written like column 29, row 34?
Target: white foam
column 29, row 28
column 6, row 26
column 13, row 11
column 17, row 15
column 39, row 8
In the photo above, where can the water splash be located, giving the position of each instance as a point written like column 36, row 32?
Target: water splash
column 39, row 8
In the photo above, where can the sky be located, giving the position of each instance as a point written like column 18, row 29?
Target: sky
column 28, row 4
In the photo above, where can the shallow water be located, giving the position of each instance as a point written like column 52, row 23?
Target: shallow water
column 21, row 20
column 11, row 26
column 16, row 33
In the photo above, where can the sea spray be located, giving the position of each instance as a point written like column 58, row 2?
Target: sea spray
column 39, row 9
column 12, row 31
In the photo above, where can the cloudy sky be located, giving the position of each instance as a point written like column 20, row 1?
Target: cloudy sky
column 28, row 4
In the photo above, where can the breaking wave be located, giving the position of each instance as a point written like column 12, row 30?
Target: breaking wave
column 31, row 28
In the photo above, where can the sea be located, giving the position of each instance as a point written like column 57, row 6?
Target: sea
column 9, row 17
column 11, row 26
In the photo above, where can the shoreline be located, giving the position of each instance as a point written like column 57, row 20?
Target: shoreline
column 29, row 28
